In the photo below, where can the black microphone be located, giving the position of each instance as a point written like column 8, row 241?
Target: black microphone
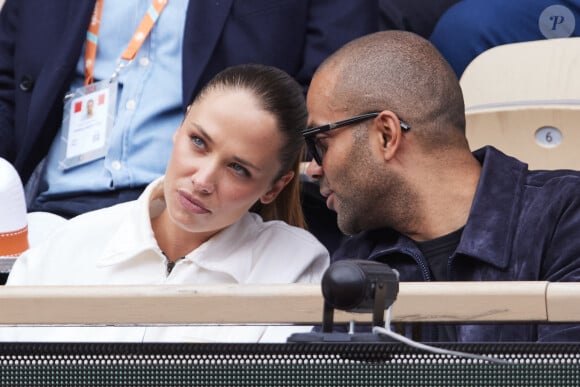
column 358, row 286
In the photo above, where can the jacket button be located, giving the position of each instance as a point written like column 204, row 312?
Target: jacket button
column 26, row 83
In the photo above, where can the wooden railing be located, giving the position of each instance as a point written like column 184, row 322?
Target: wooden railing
column 299, row 304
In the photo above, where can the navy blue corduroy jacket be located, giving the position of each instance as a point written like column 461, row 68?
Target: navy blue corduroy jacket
column 523, row 226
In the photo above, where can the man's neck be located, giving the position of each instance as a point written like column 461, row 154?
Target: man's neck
column 445, row 197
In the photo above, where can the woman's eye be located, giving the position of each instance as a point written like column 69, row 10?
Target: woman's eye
column 198, row 142
column 240, row 170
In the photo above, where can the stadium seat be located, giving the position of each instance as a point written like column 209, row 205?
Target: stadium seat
column 524, row 99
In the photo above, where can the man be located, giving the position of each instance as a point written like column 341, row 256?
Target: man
column 44, row 60
column 405, row 185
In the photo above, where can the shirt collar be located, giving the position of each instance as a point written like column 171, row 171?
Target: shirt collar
column 135, row 236
column 227, row 251
column 134, row 233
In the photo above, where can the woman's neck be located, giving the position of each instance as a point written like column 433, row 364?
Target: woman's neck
column 173, row 240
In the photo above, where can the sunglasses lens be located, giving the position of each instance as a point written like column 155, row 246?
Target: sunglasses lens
column 313, row 149
column 318, row 154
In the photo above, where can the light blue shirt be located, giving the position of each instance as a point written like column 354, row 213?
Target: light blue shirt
column 149, row 102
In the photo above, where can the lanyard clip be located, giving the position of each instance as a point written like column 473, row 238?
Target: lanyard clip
column 120, row 67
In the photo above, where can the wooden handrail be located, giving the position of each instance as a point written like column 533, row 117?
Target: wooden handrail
column 295, row 303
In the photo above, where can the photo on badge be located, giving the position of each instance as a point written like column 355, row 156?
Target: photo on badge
column 87, row 121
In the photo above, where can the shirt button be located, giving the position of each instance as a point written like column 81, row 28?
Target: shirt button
column 131, row 104
column 144, row 61
column 116, row 165
column 26, row 83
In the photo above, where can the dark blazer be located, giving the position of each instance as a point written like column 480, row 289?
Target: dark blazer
column 41, row 41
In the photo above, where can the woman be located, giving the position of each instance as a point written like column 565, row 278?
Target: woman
column 237, row 149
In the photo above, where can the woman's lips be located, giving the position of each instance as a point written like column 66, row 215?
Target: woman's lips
column 191, row 204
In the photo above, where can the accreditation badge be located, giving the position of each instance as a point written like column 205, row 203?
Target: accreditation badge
column 89, row 114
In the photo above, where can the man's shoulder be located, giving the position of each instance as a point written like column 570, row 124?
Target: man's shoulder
column 558, row 190
column 503, row 174
column 561, row 177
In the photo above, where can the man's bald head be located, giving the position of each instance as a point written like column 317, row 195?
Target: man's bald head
column 402, row 72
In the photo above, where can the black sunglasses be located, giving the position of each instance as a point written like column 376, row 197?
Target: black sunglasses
column 310, row 134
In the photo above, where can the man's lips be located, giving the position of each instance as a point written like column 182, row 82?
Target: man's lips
column 329, row 195
column 330, row 202
column 192, row 204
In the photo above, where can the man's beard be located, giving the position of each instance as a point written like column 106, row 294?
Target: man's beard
column 368, row 196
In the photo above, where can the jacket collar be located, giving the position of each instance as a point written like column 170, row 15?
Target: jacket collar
column 491, row 224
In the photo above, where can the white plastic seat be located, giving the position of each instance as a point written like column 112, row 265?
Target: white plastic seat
column 524, row 99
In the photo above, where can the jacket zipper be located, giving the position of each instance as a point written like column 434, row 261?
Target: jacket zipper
column 418, row 260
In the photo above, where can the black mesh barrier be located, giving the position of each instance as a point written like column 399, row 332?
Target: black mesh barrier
column 292, row 364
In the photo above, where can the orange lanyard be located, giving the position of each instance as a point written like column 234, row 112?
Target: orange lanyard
column 139, row 36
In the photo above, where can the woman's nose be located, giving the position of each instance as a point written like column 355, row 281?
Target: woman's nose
column 204, row 179
column 314, row 171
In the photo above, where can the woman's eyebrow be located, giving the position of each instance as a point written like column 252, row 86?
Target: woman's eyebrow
column 203, row 132
column 247, row 163
column 210, row 140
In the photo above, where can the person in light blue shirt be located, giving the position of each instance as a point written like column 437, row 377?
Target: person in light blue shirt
column 42, row 60
column 472, row 26
column 148, row 108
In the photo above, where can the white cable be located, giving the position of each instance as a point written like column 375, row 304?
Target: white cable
column 351, row 327
column 429, row 348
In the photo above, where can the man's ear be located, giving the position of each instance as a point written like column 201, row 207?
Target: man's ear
column 387, row 133
column 276, row 188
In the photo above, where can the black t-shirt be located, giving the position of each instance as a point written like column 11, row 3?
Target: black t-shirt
column 437, row 252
